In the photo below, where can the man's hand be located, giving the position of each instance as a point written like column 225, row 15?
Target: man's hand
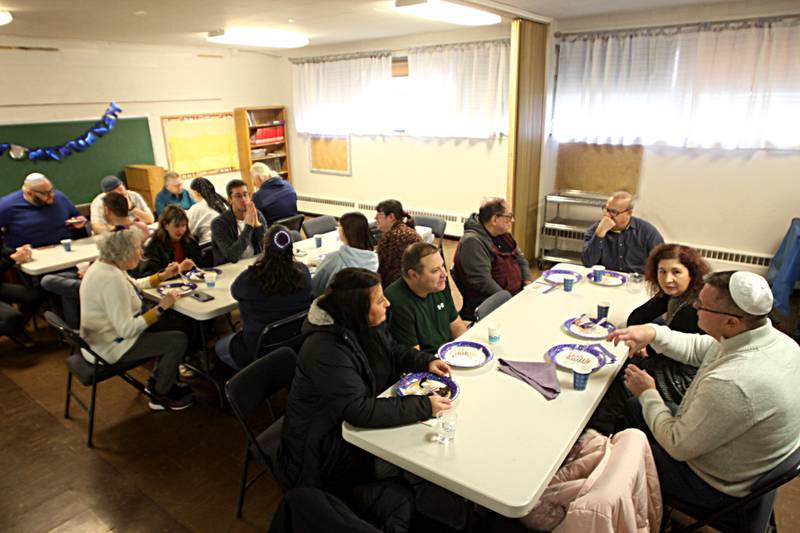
column 637, row 380
column 23, row 254
column 250, row 217
column 77, row 222
column 635, row 337
column 606, row 223
column 439, row 404
column 439, row 367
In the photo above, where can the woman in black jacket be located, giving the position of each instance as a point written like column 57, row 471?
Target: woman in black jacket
column 347, row 359
column 172, row 242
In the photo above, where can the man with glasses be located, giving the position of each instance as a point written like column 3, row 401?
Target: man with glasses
column 238, row 233
column 740, row 416
column 173, row 193
column 488, row 259
column 619, row 241
column 39, row 215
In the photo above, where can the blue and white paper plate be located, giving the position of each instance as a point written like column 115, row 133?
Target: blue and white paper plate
column 199, row 274
column 596, row 332
column 183, row 288
column 425, row 384
column 610, row 279
column 556, row 276
column 566, row 356
column 465, row 354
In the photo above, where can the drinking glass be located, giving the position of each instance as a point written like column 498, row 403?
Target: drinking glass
column 446, row 422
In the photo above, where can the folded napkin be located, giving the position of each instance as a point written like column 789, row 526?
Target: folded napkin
column 540, row 376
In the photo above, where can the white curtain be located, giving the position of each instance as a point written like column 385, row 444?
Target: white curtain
column 458, row 90
column 343, row 96
column 734, row 85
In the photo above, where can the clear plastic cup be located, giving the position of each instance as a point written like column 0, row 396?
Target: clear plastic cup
column 446, row 422
column 494, row 334
column 635, row 282
column 211, row 279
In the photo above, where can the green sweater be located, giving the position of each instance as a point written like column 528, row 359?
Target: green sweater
column 741, row 415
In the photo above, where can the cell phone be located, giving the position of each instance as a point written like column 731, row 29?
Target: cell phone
column 202, row 296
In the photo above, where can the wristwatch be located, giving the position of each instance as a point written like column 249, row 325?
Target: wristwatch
column 161, row 310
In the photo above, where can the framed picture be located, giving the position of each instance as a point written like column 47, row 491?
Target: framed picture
column 330, row 154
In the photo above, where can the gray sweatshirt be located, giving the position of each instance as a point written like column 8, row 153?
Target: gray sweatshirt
column 344, row 257
column 740, row 416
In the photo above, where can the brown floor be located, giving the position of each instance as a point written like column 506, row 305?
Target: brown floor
column 148, row 471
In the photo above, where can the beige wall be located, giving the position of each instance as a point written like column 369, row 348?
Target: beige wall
column 730, row 199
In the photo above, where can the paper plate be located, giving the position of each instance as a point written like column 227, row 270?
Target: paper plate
column 423, row 384
column 566, row 356
column 199, row 274
column 556, row 276
column 610, row 279
column 594, row 333
column 465, row 354
column 183, row 288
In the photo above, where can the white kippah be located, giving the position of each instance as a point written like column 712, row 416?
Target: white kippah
column 34, row 177
column 751, row 293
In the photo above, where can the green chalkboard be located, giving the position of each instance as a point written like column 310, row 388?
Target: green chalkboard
column 78, row 176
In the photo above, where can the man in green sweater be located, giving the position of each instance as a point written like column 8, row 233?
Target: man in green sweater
column 741, row 415
column 423, row 312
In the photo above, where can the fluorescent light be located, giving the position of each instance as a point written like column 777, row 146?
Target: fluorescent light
column 5, row 18
column 258, row 37
column 447, row 12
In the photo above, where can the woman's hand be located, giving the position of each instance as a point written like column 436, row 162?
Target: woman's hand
column 170, row 271
column 186, row 265
column 439, row 367
column 169, row 299
column 439, row 404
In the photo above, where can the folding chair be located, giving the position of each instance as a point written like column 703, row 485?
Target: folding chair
column 752, row 513
column 292, row 223
column 490, row 304
column 90, row 374
column 284, row 332
column 315, row 226
column 247, row 391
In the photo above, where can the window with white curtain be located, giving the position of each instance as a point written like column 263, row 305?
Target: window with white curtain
column 345, row 95
column 726, row 85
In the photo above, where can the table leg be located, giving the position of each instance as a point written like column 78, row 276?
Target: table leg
column 205, row 371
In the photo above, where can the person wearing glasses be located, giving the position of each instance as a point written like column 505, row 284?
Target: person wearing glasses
column 39, row 215
column 173, row 193
column 740, row 416
column 239, row 232
column 619, row 241
column 488, row 259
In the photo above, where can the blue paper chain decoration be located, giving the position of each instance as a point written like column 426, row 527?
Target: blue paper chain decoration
column 57, row 153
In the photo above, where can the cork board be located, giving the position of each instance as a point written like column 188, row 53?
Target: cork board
column 600, row 168
column 330, row 154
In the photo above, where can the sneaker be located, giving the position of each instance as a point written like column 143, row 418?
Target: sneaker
column 178, row 390
column 171, row 401
column 23, row 339
column 185, row 372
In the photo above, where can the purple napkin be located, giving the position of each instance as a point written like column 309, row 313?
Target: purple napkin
column 540, row 376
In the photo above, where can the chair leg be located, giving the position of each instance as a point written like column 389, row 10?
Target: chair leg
column 69, row 394
column 89, row 442
column 243, row 485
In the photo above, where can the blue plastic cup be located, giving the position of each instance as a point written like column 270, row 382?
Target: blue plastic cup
column 597, row 273
column 569, row 282
column 67, row 244
column 580, row 376
column 318, row 240
column 602, row 310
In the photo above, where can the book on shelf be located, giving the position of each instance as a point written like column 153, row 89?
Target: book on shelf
column 267, row 135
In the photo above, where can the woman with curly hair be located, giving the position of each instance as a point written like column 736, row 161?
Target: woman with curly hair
column 398, row 234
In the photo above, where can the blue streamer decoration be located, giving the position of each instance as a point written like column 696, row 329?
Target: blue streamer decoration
column 81, row 144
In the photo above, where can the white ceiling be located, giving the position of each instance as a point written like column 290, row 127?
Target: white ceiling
column 183, row 22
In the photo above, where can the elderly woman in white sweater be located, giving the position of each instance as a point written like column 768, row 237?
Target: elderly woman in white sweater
column 115, row 325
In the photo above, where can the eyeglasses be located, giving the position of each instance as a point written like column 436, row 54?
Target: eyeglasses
column 696, row 304
column 45, row 194
column 509, row 216
column 614, row 212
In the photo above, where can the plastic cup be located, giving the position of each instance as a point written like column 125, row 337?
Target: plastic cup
column 635, row 282
column 494, row 334
column 83, row 266
column 580, row 376
column 211, row 279
column 67, row 244
column 318, row 240
column 602, row 310
column 597, row 273
column 446, row 423
column 569, row 282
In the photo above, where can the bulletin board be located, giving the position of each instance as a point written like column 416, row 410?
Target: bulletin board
column 199, row 145
column 330, row 154
column 599, row 168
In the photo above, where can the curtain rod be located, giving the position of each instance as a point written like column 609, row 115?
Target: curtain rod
column 383, row 53
column 675, row 28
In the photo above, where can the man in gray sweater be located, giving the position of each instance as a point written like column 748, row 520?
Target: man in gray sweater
column 741, row 415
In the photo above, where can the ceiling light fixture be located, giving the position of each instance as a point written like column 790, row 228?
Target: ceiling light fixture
column 443, row 11
column 5, row 18
column 258, row 37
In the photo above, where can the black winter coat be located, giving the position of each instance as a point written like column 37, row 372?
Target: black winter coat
column 157, row 255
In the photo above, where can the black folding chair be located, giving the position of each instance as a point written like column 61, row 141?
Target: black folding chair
column 247, row 392
column 292, row 223
column 315, row 226
column 90, row 374
column 490, row 304
column 752, row 513
column 284, row 332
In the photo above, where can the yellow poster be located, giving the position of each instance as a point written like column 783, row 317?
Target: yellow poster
column 201, row 144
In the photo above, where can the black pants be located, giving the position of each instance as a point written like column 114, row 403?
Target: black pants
column 29, row 299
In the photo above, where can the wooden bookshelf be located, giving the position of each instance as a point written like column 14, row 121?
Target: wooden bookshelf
column 262, row 136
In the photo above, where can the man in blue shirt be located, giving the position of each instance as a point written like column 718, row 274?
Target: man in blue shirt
column 275, row 197
column 172, row 193
column 39, row 215
column 620, row 241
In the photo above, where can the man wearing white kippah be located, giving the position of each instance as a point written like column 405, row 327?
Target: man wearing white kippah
column 740, row 416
